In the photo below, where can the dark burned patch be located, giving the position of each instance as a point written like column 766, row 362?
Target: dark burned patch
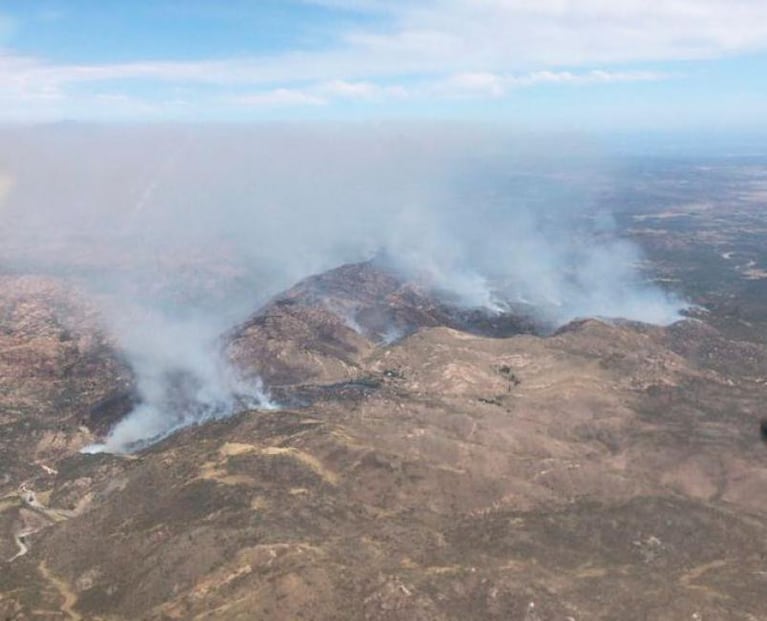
column 284, row 302
column 388, row 307
column 494, row 325
column 305, row 395
column 111, row 409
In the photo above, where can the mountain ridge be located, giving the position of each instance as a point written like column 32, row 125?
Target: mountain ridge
column 606, row 470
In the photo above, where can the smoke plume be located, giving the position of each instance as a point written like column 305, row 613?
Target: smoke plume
column 183, row 231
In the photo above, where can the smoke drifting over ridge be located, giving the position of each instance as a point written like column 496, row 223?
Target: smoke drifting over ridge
column 183, row 231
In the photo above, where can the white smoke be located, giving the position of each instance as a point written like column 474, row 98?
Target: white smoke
column 181, row 377
column 185, row 230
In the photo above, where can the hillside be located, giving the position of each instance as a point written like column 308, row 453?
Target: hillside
column 470, row 468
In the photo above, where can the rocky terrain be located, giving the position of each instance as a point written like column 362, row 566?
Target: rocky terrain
column 427, row 464
column 61, row 376
column 327, row 325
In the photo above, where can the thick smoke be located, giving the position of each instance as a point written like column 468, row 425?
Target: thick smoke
column 181, row 377
column 184, row 230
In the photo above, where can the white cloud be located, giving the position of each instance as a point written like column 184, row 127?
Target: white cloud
column 343, row 89
column 473, row 36
column 26, row 76
column 595, row 76
column 462, row 85
column 280, row 97
column 493, row 85
column 453, row 48
column 318, row 94
column 520, row 34
column 472, row 84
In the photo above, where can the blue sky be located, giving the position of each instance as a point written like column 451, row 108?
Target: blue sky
column 561, row 64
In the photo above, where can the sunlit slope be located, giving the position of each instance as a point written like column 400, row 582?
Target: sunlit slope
column 605, row 471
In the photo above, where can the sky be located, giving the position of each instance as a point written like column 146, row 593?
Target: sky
column 554, row 64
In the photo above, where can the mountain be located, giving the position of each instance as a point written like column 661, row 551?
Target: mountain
column 428, row 463
column 61, row 375
column 324, row 327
